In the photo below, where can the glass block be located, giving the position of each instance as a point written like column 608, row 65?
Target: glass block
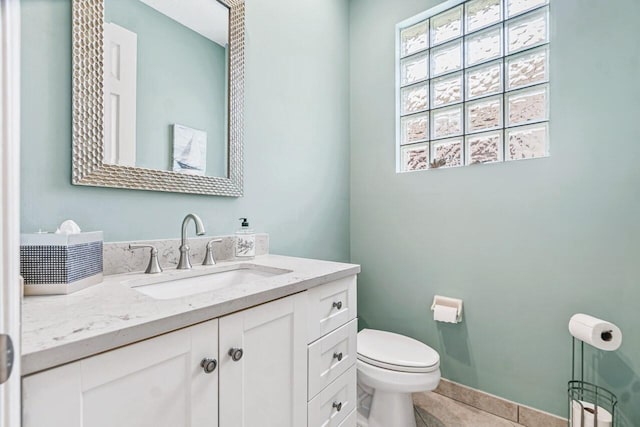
column 415, row 157
column 414, row 98
column 446, row 90
column 483, row 46
column 528, row 142
column 446, row 58
column 414, row 128
column 414, row 69
column 484, row 148
column 528, row 68
column 414, row 39
column 528, row 31
column 482, row 13
column 484, row 80
column 484, row 114
column 446, row 153
column 527, row 105
column 446, row 26
column 446, row 122
column 515, row 7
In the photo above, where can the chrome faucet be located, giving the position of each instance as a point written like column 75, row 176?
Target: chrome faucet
column 185, row 257
column 154, row 266
column 209, row 259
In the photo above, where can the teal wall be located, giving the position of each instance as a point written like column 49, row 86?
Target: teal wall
column 296, row 136
column 524, row 244
column 180, row 79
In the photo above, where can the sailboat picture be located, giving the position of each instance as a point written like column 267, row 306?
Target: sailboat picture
column 189, row 150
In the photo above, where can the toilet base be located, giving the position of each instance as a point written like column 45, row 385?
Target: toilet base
column 390, row 409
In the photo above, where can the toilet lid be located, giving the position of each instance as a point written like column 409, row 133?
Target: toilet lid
column 397, row 352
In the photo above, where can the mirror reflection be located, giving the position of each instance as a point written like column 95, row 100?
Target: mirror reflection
column 166, row 85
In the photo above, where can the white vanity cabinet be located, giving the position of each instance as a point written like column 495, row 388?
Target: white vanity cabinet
column 285, row 363
column 157, row 382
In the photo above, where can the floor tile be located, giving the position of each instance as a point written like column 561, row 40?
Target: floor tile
column 419, row 421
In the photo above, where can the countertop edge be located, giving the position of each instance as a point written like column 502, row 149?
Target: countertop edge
column 42, row 360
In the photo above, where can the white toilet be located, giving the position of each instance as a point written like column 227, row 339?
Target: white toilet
column 390, row 368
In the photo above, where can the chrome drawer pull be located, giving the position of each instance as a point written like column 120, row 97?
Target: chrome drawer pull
column 338, row 356
column 338, row 406
column 337, row 305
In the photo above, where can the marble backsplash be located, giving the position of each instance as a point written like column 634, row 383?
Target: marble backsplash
column 118, row 258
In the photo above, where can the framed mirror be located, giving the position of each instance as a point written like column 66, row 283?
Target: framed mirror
column 158, row 88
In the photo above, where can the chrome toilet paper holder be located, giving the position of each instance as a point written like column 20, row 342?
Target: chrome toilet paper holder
column 588, row 399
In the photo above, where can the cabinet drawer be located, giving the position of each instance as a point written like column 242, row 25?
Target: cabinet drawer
column 331, row 356
column 323, row 409
column 330, row 306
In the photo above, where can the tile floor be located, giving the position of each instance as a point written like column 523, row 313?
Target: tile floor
column 435, row 410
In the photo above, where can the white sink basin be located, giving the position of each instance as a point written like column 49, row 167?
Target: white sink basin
column 180, row 283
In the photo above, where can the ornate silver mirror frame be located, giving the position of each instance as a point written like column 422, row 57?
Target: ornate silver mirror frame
column 88, row 128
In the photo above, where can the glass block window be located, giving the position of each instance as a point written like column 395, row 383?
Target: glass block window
column 473, row 84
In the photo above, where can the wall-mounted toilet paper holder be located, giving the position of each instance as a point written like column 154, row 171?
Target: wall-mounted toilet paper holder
column 443, row 307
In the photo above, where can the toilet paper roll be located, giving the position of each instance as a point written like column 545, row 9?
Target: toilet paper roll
column 582, row 410
column 443, row 313
column 596, row 332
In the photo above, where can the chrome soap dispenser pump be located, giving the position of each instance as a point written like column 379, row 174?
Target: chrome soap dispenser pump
column 245, row 241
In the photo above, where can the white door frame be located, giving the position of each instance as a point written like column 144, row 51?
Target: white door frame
column 10, row 289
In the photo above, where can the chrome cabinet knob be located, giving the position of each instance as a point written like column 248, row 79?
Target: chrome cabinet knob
column 337, row 305
column 209, row 365
column 338, row 406
column 236, row 354
column 338, row 356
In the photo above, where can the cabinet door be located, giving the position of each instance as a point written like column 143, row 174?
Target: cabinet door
column 267, row 386
column 158, row 382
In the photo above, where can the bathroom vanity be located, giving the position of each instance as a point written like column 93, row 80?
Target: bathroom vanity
column 272, row 343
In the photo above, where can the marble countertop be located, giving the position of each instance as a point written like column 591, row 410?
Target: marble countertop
column 64, row 328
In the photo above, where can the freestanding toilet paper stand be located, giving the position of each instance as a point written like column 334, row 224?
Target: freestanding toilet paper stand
column 589, row 405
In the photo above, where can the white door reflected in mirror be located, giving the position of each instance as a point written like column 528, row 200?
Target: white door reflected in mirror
column 120, row 64
column 166, row 85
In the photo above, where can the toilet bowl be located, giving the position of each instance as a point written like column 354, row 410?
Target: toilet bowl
column 391, row 367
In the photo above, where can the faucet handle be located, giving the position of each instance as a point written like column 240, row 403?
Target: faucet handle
column 154, row 265
column 208, row 258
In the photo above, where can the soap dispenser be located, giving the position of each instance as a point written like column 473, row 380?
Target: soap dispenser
column 245, row 241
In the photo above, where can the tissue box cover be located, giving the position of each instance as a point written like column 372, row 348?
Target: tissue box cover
column 60, row 263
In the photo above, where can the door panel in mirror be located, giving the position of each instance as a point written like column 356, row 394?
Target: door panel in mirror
column 165, row 85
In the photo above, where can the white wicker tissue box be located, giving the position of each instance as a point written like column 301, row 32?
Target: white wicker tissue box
column 60, row 263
